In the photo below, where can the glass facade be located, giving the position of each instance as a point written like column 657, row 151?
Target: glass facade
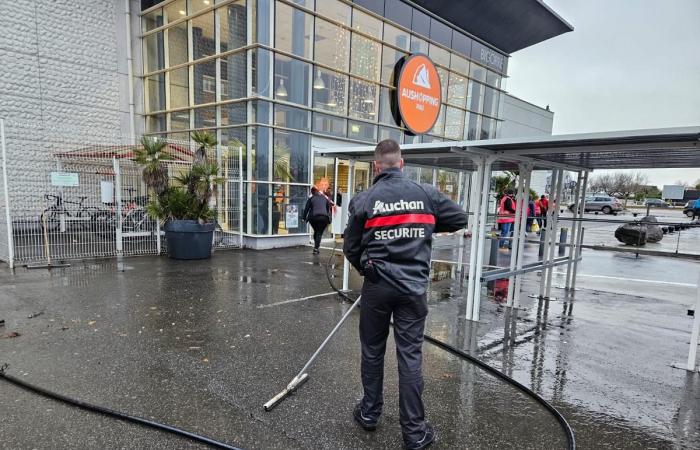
column 269, row 75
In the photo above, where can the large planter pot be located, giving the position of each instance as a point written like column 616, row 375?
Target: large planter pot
column 189, row 239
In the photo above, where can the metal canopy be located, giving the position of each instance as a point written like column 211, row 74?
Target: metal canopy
column 637, row 149
column 508, row 25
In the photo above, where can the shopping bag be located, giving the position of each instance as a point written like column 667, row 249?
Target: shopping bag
column 534, row 227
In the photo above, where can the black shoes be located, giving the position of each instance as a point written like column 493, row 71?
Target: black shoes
column 365, row 423
column 426, row 442
column 316, row 251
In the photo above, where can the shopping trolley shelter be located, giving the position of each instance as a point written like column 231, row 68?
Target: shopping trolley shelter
column 202, row 345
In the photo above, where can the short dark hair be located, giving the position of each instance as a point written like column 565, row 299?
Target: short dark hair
column 542, row 196
column 388, row 153
column 509, row 191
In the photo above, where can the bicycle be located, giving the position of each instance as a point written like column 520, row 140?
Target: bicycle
column 51, row 216
column 134, row 217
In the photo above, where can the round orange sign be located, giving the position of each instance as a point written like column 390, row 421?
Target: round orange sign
column 418, row 93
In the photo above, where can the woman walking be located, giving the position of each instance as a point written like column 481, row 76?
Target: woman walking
column 317, row 213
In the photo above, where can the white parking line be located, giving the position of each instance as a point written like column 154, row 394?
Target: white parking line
column 296, row 300
column 636, row 280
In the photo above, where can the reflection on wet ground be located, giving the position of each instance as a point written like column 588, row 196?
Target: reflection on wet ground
column 202, row 345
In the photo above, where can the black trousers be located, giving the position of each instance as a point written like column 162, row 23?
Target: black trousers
column 319, row 224
column 379, row 304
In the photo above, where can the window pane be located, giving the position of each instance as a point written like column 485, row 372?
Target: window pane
column 441, row 33
column 473, row 128
column 367, row 24
column 155, row 86
column 261, row 21
column 426, row 175
column 233, row 76
column 389, row 60
column 399, row 12
column 203, row 36
column 260, row 147
column 457, row 90
column 291, row 80
column 233, row 26
column 363, row 99
column 362, row 131
column 155, row 123
column 385, row 112
column 180, row 120
column 439, row 127
column 260, row 69
column 177, row 44
column 459, row 64
column 152, row 20
column 262, row 111
column 204, row 73
column 293, row 29
column 489, row 101
column 420, row 23
column 419, row 45
column 175, row 10
column 411, row 139
column 291, row 156
column 477, row 72
column 454, row 121
column 412, row 173
column 331, row 92
column 330, row 125
column 376, row 6
column 332, row 45
column 179, row 88
column 334, row 9
column 233, row 137
column 475, row 96
column 389, row 133
column 153, row 48
column 493, row 79
column 485, row 128
column 290, row 117
column 205, row 117
column 444, row 81
column 439, row 55
column 234, row 113
column 198, row 5
column 365, row 57
column 397, row 37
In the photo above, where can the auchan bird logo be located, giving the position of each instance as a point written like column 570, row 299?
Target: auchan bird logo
column 419, row 93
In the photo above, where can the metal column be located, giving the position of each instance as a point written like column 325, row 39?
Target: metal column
column 481, row 234
column 548, row 231
column 460, row 251
column 240, row 197
column 553, row 237
column 475, row 207
column 695, row 334
column 8, row 215
column 574, row 229
column 118, row 202
column 517, row 254
column 351, row 192
column 579, row 233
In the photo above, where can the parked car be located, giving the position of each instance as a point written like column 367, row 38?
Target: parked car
column 602, row 203
column 688, row 208
column 656, row 203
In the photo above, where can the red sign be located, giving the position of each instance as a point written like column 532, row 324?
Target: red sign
column 419, row 94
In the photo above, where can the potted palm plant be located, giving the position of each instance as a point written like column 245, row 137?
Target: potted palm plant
column 183, row 206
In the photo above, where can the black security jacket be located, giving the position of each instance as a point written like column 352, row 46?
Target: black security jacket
column 391, row 225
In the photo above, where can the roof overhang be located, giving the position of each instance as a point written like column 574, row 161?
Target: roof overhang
column 508, row 25
column 637, row 149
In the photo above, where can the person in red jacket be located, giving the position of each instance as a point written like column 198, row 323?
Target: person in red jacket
column 506, row 217
column 543, row 203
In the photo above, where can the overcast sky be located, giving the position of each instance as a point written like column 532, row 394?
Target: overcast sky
column 628, row 64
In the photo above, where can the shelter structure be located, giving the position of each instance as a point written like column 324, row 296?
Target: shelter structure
column 580, row 153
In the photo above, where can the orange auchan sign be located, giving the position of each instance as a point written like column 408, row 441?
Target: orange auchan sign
column 418, row 93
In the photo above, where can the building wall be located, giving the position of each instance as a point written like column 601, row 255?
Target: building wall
column 64, row 82
column 523, row 119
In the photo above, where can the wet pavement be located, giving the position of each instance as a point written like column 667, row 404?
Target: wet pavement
column 202, row 345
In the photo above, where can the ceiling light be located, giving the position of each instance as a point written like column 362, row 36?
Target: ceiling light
column 281, row 91
column 206, row 2
column 368, row 100
column 318, row 81
column 182, row 12
column 332, row 103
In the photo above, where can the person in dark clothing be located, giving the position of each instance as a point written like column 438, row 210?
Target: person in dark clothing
column 317, row 213
column 339, row 197
column 388, row 240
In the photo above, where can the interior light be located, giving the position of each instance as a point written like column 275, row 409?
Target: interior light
column 368, row 100
column 281, row 91
column 332, row 103
column 318, row 81
column 206, row 2
column 182, row 12
column 355, row 128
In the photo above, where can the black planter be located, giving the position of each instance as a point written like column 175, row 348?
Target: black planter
column 188, row 239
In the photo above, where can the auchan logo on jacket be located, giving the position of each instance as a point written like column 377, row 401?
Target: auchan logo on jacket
column 419, row 93
column 402, row 205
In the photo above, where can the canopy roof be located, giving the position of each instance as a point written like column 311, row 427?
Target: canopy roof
column 637, row 149
column 180, row 153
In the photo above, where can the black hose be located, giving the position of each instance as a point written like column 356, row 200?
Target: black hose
column 568, row 431
column 112, row 413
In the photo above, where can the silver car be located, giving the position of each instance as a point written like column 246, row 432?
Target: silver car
column 602, row 203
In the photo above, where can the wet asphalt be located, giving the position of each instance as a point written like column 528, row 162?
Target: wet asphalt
column 202, row 345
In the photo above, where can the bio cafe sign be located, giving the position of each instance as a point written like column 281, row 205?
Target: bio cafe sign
column 418, row 93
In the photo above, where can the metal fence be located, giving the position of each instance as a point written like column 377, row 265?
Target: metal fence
column 69, row 193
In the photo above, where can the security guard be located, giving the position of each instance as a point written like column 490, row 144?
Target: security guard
column 388, row 240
